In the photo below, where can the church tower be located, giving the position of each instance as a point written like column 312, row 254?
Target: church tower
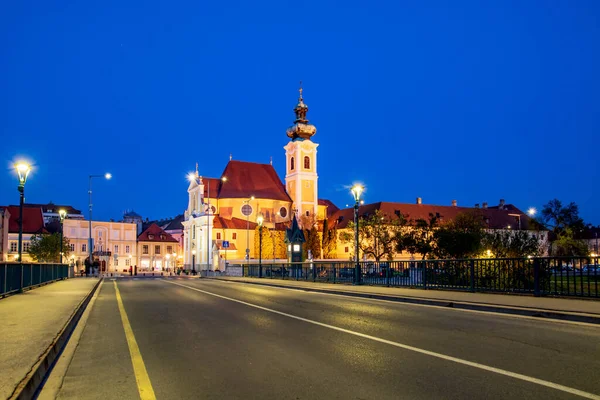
column 301, row 163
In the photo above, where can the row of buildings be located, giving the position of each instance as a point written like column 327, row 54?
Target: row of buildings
column 222, row 214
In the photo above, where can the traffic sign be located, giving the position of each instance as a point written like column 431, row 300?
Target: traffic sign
column 225, row 244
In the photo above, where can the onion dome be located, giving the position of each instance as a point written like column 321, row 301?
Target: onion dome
column 301, row 129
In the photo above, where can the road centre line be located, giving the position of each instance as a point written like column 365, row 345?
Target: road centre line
column 499, row 371
column 446, row 308
column 139, row 368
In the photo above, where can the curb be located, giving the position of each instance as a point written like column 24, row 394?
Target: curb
column 30, row 384
column 513, row 310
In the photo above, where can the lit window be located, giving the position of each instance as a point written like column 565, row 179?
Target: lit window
column 306, row 162
column 292, row 163
column 296, row 247
column 13, row 246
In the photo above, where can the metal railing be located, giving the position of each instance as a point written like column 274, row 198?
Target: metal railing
column 540, row 276
column 15, row 277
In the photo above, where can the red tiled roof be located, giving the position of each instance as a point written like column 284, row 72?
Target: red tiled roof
column 233, row 223
column 245, row 179
column 33, row 219
column 230, row 248
column 498, row 219
column 331, row 208
column 51, row 207
column 214, row 184
column 159, row 235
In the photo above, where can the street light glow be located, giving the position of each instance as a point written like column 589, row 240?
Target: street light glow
column 357, row 190
column 23, row 170
column 260, row 219
column 191, row 176
column 62, row 213
column 108, row 175
column 532, row 211
column 224, row 179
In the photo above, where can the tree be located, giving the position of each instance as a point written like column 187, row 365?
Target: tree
column 279, row 246
column 332, row 244
column 567, row 245
column 565, row 223
column 46, row 248
column 417, row 238
column 511, row 244
column 313, row 242
column 377, row 235
column 461, row 237
column 325, row 240
column 267, row 243
column 557, row 218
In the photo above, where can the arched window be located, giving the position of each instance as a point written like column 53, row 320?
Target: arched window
column 292, row 163
column 306, row 162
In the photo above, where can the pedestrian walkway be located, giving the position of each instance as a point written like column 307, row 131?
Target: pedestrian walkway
column 513, row 301
column 31, row 321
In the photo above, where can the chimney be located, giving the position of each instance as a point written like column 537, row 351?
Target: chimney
column 454, row 203
column 419, row 200
column 501, row 204
column 476, row 205
column 484, row 204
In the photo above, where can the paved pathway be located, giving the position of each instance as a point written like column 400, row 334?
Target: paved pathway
column 30, row 323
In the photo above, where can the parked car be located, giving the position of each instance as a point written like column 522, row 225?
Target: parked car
column 591, row 269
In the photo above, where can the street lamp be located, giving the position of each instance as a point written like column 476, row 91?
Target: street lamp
column 247, row 202
column 260, row 219
column 356, row 192
column 194, row 262
column 106, row 176
column 532, row 211
column 168, row 256
column 23, row 170
column 62, row 214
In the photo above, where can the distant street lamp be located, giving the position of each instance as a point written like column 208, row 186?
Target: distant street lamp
column 532, row 211
column 62, row 214
column 356, row 192
column 23, row 170
column 260, row 219
column 90, row 249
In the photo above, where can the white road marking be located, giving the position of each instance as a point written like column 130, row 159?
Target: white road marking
column 457, row 360
column 497, row 314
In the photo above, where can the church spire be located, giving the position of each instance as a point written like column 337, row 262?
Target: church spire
column 301, row 128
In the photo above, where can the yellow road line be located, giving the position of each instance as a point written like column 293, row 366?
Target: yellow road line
column 139, row 369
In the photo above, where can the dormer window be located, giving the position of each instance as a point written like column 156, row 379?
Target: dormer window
column 162, row 237
column 150, row 236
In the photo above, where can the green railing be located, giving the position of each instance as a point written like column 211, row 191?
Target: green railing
column 540, row 276
column 15, row 277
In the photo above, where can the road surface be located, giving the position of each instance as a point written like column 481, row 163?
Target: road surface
column 207, row 339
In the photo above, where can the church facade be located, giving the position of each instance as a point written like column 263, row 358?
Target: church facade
column 221, row 215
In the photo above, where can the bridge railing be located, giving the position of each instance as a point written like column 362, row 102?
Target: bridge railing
column 15, row 277
column 540, row 276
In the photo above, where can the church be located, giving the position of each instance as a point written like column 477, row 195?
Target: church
column 222, row 213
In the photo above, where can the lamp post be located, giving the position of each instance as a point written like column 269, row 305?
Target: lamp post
column 356, row 192
column 167, row 256
column 62, row 214
column 247, row 202
column 90, row 249
column 260, row 219
column 23, row 170
column 194, row 262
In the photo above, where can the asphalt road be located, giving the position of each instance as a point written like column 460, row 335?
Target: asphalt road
column 204, row 339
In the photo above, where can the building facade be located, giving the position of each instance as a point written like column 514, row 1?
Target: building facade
column 4, row 223
column 157, row 250
column 115, row 244
column 33, row 224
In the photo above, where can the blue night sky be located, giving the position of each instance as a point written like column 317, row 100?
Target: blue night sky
column 466, row 100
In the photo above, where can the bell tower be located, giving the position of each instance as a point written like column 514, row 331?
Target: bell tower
column 301, row 179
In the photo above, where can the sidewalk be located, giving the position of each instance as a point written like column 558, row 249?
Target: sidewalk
column 572, row 309
column 31, row 322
